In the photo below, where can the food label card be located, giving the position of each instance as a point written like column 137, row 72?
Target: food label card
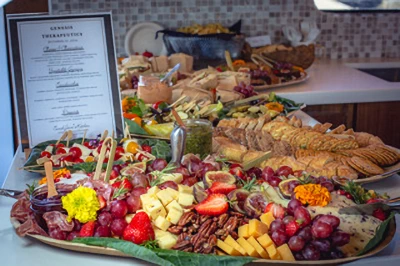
column 65, row 76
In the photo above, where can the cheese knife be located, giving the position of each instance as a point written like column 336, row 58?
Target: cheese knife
column 368, row 209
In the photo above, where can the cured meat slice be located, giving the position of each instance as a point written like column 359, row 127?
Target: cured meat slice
column 22, row 208
column 30, row 226
column 56, row 219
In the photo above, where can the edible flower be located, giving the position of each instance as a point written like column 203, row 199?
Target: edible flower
column 81, row 204
column 313, row 194
column 275, row 106
column 58, row 174
column 239, row 63
column 127, row 103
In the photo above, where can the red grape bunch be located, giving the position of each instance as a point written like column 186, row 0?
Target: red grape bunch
column 246, row 90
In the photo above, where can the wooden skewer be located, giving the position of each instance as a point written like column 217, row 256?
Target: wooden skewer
column 178, row 118
column 113, row 134
column 104, row 136
column 84, row 136
column 51, row 188
column 127, row 134
column 63, row 136
column 102, row 156
column 69, row 137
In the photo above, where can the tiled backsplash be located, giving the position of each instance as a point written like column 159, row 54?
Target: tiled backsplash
column 343, row 35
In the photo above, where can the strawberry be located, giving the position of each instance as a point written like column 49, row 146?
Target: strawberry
column 147, row 54
column 268, row 207
column 213, row 205
column 380, row 214
column 146, row 148
column 102, row 201
column 277, row 210
column 370, row 201
column 87, row 229
column 222, row 188
column 139, row 229
column 237, row 171
column 292, row 227
column 123, row 184
column 114, row 174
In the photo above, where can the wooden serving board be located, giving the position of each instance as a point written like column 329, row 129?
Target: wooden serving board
column 113, row 252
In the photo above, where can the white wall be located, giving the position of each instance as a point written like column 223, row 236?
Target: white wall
column 6, row 129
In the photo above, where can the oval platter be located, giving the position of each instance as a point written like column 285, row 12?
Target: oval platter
column 113, row 252
column 297, row 81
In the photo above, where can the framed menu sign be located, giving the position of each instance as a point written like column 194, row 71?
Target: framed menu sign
column 65, row 76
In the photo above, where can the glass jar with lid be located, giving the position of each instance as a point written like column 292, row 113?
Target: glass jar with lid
column 151, row 90
column 198, row 137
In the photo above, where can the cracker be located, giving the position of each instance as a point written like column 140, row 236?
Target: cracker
column 367, row 166
column 339, row 130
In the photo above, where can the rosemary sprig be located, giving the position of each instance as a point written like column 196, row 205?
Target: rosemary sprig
column 156, row 175
column 356, row 191
column 31, row 187
column 248, row 184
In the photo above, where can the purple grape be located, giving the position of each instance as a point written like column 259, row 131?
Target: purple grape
column 296, row 243
column 322, row 244
column 340, row 238
column 305, row 233
column 311, row 252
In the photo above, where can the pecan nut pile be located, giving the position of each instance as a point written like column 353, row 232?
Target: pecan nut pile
column 199, row 233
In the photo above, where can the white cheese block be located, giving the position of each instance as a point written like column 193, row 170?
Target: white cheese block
column 185, row 199
column 174, row 215
column 174, row 205
column 162, row 223
column 85, row 150
column 167, row 241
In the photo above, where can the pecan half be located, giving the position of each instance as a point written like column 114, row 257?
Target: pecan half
column 186, row 218
column 203, row 219
column 184, row 246
column 231, row 224
column 222, row 219
column 183, row 237
column 176, row 230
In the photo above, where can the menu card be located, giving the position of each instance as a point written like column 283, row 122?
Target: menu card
column 65, row 76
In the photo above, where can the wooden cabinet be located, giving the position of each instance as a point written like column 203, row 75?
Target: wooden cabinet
column 381, row 119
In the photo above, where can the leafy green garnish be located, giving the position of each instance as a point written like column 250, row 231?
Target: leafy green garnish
column 163, row 256
column 135, row 128
column 380, row 234
column 156, row 180
column 159, row 148
column 151, row 244
column 140, row 107
column 87, row 167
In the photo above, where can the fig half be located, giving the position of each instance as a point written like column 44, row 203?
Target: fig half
column 220, row 176
column 238, row 198
column 255, row 204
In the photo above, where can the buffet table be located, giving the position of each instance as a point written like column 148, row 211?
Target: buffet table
column 338, row 82
column 27, row 251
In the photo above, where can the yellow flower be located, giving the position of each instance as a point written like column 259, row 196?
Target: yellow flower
column 275, row 106
column 313, row 194
column 81, row 204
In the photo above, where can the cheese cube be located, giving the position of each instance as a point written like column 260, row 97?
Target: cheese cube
column 165, row 197
column 174, row 215
column 273, row 253
column 267, row 218
column 155, row 209
column 263, row 254
column 160, row 233
column 174, row 193
column 257, row 228
column 221, row 253
column 167, row 241
column 243, row 231
column 176, row 177
column 185, row 199
column 174, row 205
column 232, row 242
column 249, row 248
column 162, row 223
column 285, row 252
column 153, row 190
column 228, row 249
column 185, row 189
column 146, row 199
column 265, row 241
column 129, row 217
